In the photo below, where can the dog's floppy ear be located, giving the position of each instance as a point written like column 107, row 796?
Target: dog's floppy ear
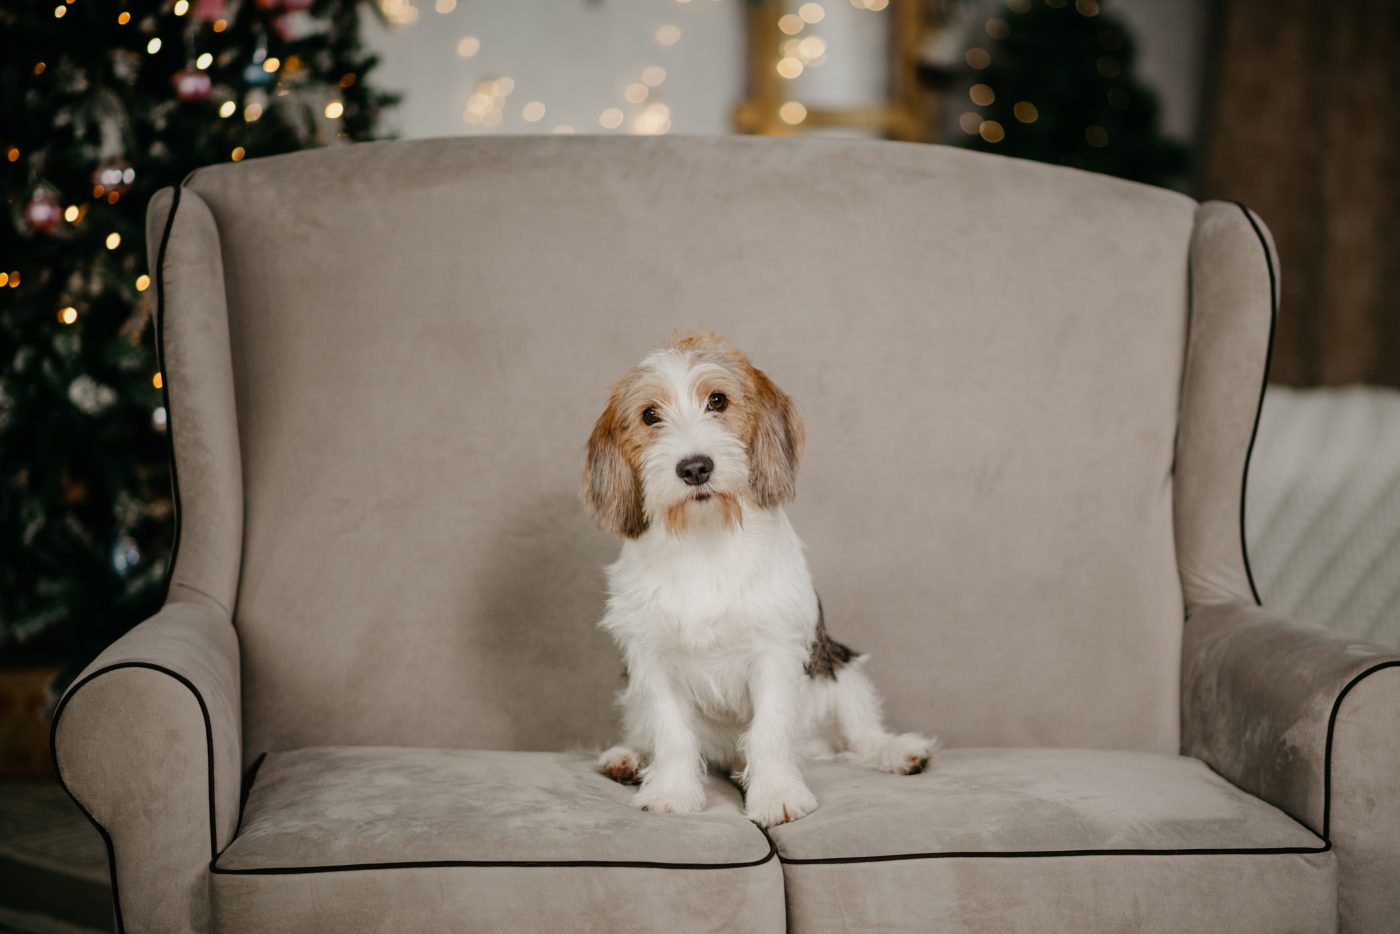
column 611, row 488
column 775, row 445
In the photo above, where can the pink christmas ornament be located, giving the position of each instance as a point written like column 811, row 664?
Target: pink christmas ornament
column 191, row 84
column 43, row 212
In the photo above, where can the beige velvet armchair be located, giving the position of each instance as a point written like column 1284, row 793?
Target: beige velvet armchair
column 1030, row 395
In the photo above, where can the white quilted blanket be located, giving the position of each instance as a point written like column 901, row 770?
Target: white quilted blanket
column 1322, row 513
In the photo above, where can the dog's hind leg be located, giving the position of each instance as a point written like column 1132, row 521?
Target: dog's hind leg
column 856, row 708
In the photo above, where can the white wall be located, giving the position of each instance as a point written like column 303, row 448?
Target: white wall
column 577, row 57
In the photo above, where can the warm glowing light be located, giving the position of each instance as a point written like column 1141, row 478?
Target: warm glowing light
column 204, row 61
column 970, row 122
column 992, row 131
column 252, row 112
column 60, row 11
column 790, row 23
column 347, row 79
column 14, row 279
column 70, row 213
column 143, row 282
column 610, row 119
column 1025, row 111
column 39, row 68
column 997, row 29
column 68, row 315
column 123, row 18
column 503, row 86
column 238, row 153
column 875, row 6
column 227, row 109
column 153, row 46
column 792, row 113
column 811, row 48
column 811, row 12
column 468, row 46
column 977, row 58
column 220, row 25
column 158, row 381
column 1096, row 136
column 445, row 6
column 114, row 240
column 533, row 112
column 982, row 95
column 272, row 64
column 112, row 196
column 182, row 7
column 636, row 92
column 789, row 67
column 652, row 76
column 669, row 34
column 4, row 278
column 334, row 109
column 12, row 154
column 563, row 129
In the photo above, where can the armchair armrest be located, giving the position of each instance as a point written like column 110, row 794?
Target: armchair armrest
column 148, row 743
column 1308, row 720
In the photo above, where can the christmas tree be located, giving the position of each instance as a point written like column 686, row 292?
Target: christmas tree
column 1054, row 81
column 101, row 104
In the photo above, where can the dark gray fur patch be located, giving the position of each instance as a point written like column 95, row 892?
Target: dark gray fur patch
column 826, row 656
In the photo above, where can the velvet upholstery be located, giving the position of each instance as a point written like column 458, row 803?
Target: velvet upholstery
column 1003, row 840
column 457, row 838
column 423, row 334
column 382, row 362
column 1308, row 720
column 135, row 740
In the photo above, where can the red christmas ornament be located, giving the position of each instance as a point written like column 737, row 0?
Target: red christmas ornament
column 191, row 84
column 209, row 10
column 43, row 212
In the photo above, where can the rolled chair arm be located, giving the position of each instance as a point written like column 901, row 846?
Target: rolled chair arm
column 148, row 743
column 1308, row 720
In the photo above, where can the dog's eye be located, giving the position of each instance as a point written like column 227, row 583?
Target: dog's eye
column 717, row 402
column 650, row 416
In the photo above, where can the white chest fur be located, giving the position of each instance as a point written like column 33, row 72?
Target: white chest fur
column 713, row 593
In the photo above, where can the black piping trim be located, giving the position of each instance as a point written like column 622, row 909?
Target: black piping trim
column 1263, row 385
column 165, row 391
column 1331, row 730
column 494, row 863
column 1041, row 854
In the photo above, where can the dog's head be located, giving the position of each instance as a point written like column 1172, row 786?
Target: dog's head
column 691, row 436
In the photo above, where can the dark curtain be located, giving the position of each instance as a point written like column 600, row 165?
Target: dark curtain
column 1302, row 123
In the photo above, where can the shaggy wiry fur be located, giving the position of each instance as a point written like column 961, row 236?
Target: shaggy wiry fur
column 711, row 602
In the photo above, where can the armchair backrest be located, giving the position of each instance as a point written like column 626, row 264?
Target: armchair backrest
column 384, row 360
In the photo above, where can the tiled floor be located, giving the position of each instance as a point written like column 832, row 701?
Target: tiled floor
column 53, row 866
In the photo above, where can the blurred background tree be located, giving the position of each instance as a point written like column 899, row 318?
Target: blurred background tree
column 101, row 104
column 1055, row 82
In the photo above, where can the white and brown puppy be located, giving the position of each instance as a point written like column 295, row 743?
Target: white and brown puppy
column 727, row 656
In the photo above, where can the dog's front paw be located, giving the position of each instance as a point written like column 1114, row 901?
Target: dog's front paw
column 670, row 797
column 769, row 803
column 621, row 765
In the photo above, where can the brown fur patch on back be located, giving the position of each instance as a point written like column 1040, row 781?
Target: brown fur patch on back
column 826, row 656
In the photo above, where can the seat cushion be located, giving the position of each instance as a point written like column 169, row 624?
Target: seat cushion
column 1011, row 840
column 396, row 839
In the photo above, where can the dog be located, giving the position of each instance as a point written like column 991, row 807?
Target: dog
column 726, row 653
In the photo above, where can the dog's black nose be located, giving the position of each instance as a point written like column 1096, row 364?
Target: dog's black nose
column 696, row 469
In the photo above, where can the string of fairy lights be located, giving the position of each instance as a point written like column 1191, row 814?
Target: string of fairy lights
column 491, row 100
